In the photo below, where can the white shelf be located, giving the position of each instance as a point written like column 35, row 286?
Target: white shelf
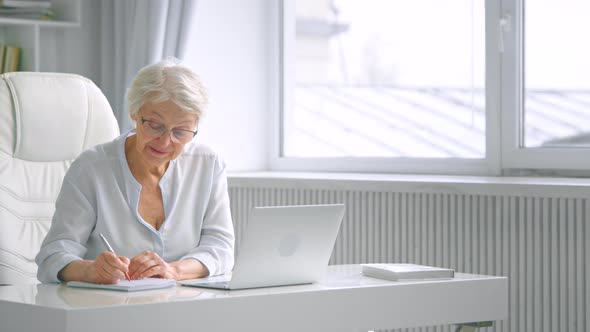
column 5, row 21
column 25, row 33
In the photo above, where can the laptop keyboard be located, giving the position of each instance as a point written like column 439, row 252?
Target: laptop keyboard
column 221, row 284
column 217, row 281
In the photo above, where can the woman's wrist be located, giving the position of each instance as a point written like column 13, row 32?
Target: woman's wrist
column 76, row 270
column 189, row 268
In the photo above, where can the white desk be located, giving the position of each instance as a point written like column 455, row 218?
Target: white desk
column 344, row 301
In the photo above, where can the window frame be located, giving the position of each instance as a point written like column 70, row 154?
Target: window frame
column 557, row 161
column 504, row 109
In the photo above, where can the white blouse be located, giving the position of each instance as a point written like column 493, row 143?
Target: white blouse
column 100, row 195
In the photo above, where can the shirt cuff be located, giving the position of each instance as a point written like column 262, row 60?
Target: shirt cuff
column 52, row 265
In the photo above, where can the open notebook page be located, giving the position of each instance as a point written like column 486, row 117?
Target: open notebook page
column 126, row 285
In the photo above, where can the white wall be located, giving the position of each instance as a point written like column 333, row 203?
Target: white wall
column 231, row 51
column 74, row 50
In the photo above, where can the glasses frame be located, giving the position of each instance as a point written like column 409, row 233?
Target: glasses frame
column 170, row 131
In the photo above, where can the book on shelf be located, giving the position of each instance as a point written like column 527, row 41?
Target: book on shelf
column 26, row 3
column 11, row 59
column 30, row 9
column 2, row 52
column 399, row 271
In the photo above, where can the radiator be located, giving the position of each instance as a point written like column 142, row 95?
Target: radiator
column 541, row 243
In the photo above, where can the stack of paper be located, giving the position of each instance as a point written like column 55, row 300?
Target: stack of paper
column 406, row 271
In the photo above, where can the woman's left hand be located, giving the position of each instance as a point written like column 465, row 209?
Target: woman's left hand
column 149, row 264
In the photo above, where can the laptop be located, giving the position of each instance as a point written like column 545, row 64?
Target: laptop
column 282, row 245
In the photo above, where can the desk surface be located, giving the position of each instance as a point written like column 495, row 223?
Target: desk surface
column 344, row 301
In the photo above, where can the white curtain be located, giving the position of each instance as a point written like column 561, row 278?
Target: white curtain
column 135, row 33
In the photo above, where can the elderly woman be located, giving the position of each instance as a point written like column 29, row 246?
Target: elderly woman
column 158, row 197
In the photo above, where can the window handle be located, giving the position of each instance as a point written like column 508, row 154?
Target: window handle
column 504, row 25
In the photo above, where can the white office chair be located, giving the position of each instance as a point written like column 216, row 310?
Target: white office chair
column 46, row 121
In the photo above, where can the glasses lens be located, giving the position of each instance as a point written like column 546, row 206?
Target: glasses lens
column 182, row 136
column 153, row 129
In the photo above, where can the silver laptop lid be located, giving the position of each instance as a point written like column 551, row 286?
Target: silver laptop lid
column 285, row 245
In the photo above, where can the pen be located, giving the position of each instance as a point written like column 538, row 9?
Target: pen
column 104, row 240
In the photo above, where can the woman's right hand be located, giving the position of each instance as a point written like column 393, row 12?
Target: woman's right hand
column 107, row 268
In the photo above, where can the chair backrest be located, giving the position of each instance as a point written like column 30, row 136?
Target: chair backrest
column 46, row 121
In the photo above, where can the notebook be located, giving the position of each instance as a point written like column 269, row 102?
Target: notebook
column 126, row 285
column 401, row 271
column 282, row 245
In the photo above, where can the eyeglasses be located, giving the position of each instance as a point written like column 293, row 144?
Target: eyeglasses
column 156, row 130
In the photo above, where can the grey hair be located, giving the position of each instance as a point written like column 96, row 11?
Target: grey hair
column 168, row 80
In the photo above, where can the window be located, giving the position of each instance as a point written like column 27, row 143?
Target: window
column 557, row 81
column 544, row 93
column 434, row 86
